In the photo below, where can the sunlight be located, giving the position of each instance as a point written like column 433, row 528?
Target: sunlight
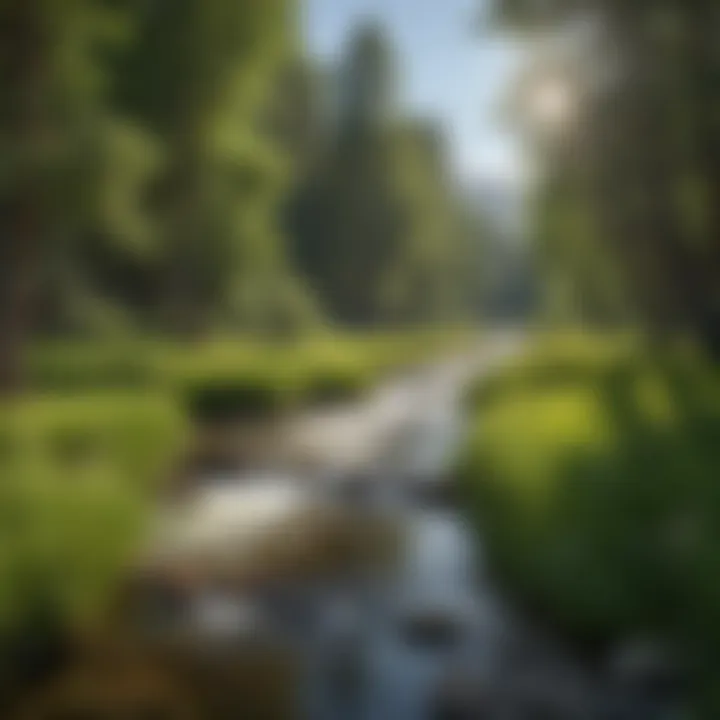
column 552, row 103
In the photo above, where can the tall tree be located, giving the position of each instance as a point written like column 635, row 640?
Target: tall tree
column 198, row 78
column 375, row 224
column 52, row 72
column 637, row 143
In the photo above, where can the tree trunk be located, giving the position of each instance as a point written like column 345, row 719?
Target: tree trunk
column 701, row 74
column 18, row 284
column 22, row 36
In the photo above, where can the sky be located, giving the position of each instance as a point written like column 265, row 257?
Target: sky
column 450, row 69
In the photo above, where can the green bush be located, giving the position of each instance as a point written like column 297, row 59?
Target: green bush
column 594, row 484
column 246, row 378
column 77, row 480
column 270, row 387
column 265, row 381
column 249, row 393
column 571, row 360
column 332, row 382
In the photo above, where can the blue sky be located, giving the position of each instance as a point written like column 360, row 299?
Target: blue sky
column 449, row 70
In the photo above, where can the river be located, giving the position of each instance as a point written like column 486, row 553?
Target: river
column 426, row 637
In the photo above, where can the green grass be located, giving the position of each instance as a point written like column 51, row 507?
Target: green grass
column 84, row 452
column 224, row 379
column 77, row 480
column 76, row 367
column 593, row 473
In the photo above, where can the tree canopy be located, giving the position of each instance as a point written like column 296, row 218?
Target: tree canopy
column 627, row 205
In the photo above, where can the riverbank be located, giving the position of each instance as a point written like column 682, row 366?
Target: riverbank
column 591, row 476
column 72, row 449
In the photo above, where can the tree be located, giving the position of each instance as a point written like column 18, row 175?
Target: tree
column 634, row 150
column 51, row 122
column 198, row 77
column 374, row 224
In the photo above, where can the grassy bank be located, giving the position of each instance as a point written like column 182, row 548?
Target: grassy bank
column 247, row 377
column 78, row 477
column 103, row 428
column 592, row 471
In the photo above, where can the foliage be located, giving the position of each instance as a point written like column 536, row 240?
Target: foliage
column 332, row 382
column 232, row 381
column 625, row 225
column 374, row 223
column 198, row 77
column 251, row 391
column 78, row 476
column 172, row 167
column 235, row 377
column 69, row 367
column 592, row 473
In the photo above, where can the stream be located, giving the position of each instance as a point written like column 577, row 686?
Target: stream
column 431, row 638
column 427, row 637
column 435, row 576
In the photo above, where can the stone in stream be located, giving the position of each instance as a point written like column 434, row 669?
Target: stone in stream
column 432, row 488
column 347, row 667
column 645, row 682
column 432, row 629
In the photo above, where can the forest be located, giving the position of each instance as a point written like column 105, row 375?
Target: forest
column 202, row 228
column 619, row 105
column 269, row 368
column 183, row 169
column 592, row 470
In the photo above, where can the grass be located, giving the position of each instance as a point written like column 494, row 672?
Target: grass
column 84, row 452
column 226, row 379
column 76, row 367
column 78, row 477
column 593, row 473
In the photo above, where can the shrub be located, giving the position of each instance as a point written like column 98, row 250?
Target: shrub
column 221, row 380
column 594, row 482
column 332, row 382
column 247, row 393
column 78, row 476
column 272, row 380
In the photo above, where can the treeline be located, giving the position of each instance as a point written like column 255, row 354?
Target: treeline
column 627, row 210
column 180, row 166
column 375, row 222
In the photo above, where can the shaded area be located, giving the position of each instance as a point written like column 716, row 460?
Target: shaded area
column 592, row 477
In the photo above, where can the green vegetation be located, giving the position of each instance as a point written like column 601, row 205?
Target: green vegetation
column 373, row 222
column 625, row 218
column 251, row 392
column 83, row 457
column 76, row 367
column 592, row 474
column 78, row 477
column 237, row 378
column 172, row 171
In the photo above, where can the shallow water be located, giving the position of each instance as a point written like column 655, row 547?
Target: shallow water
column 437, row 579
column 396, row 643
